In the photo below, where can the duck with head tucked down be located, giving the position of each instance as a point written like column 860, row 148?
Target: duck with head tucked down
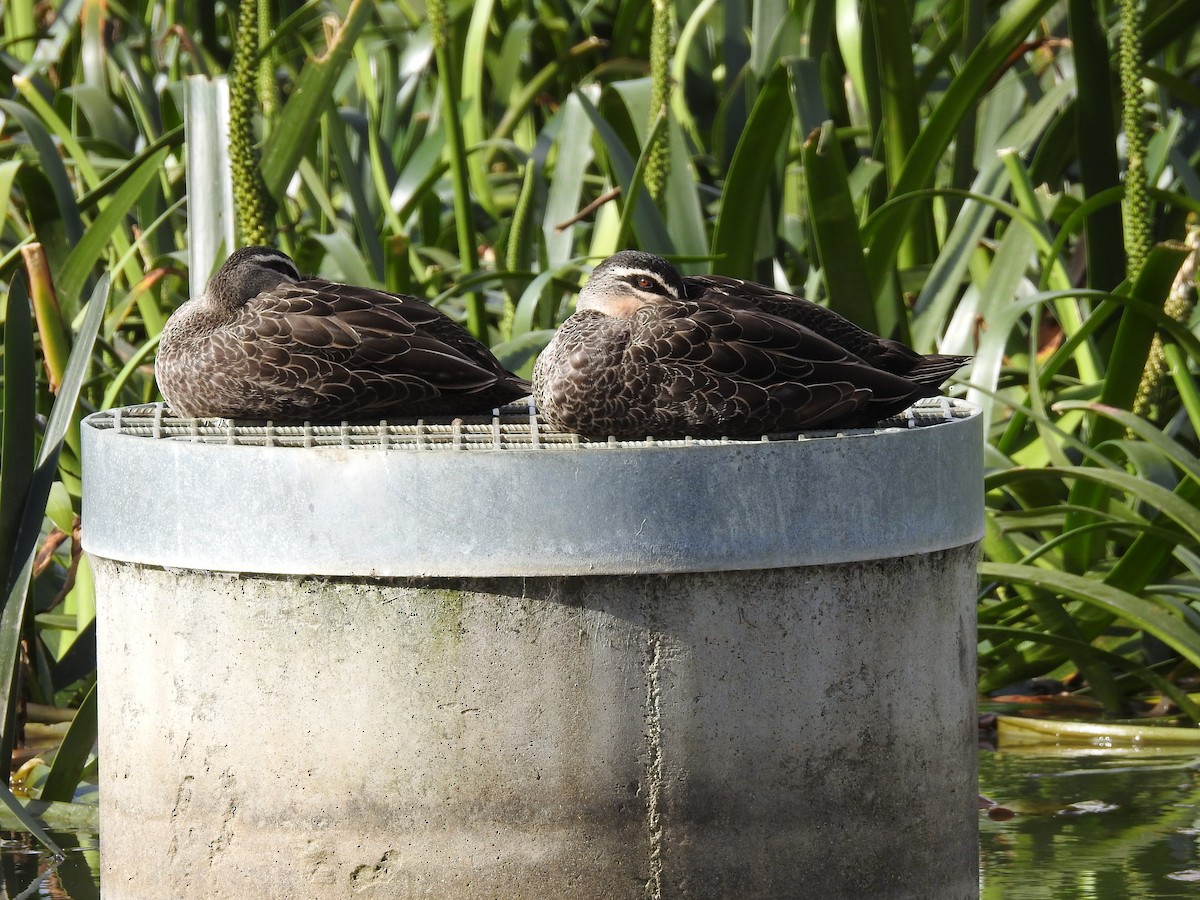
column 650, row 353
column 263, row 342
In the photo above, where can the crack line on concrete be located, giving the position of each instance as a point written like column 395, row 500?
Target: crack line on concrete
column 654, row 766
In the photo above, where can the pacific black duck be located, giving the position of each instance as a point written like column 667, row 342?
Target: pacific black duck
column 649, row 353
column 264, row 342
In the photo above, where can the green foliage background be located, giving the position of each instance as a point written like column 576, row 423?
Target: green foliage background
column 950, row 173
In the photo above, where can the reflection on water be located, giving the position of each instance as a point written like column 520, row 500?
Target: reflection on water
column 27, row 871
column 1090, row 825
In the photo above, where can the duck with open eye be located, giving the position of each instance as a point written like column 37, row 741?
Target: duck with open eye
column 649, row 353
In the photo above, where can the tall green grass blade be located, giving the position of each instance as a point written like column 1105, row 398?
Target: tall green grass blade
column 638, row 191
column 28, row 821
column 1138, row 611
column 751, row 172
column 835, row 229
column 416, row 179
column 456, row 148
column 112, row 392
column 352, row 180
column 735, row 53
column 518, row 247
column 383, row 176
column 682, row 214
column 46, row 313
column 51, row 166
column 87, row 251
column 474, row 121
column 853, row 49
column 1167, row 447
column 940, row 292
column 83, row 595
column 574, row 154
column 766, row 21
column 685, row 217
column 533, row 310
column 62, row 414
column 20, row 29
column 644, row 216
column 688, row 37
column 17, row 450
column 1170, row 503
column 1017, row 19
column 63, row 419
column 1096, row 142
column 73, row 753
column 517, row 114
column 8, row 174
column 900, row 105
column 1185, row 384
column 1144, row 560
column 942, row 288
column 1130, row 349
column 1051, row 615
column 290, row 138
column 1061, row 359
column 1170, row 20
column 517, row 355
column 12, row 623
column 811, row 105
column 342, row 259
column 1135, row 332
column 72, row 148
column 963, row 168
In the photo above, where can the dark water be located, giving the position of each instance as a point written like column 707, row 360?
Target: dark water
column 1091, row 825
column 27, row 871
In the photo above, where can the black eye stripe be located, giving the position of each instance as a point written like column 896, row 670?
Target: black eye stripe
column 282, row 266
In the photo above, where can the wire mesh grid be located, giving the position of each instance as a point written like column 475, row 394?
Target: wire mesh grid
column 512, row 427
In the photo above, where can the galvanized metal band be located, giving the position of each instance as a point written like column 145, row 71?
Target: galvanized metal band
column 549, row 509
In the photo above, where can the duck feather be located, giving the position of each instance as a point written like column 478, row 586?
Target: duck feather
column 312, row 349
column 709, row 356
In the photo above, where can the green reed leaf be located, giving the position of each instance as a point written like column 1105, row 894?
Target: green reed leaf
column 289, row 139
column 751, row 172
column 73, row 753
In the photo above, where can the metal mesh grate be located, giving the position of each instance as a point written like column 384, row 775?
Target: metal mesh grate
column 513, row 427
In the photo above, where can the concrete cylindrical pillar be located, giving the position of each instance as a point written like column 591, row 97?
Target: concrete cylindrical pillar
column 378, row 665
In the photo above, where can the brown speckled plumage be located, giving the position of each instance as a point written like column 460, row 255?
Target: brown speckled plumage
column 649, row 353
column 264, row 343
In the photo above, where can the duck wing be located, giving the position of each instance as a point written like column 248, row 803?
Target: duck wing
column 737, row 370
column 883, row 353
column 318, row 349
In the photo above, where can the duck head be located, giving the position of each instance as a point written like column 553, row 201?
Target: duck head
column 627, row 281
column 247, row 273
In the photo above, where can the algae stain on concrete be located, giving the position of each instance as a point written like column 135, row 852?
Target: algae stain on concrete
column 446, row 619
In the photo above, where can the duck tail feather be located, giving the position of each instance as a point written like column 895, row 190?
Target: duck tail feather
column 935, row 369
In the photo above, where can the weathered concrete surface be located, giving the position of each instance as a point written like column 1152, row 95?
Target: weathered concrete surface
column 797, row 732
